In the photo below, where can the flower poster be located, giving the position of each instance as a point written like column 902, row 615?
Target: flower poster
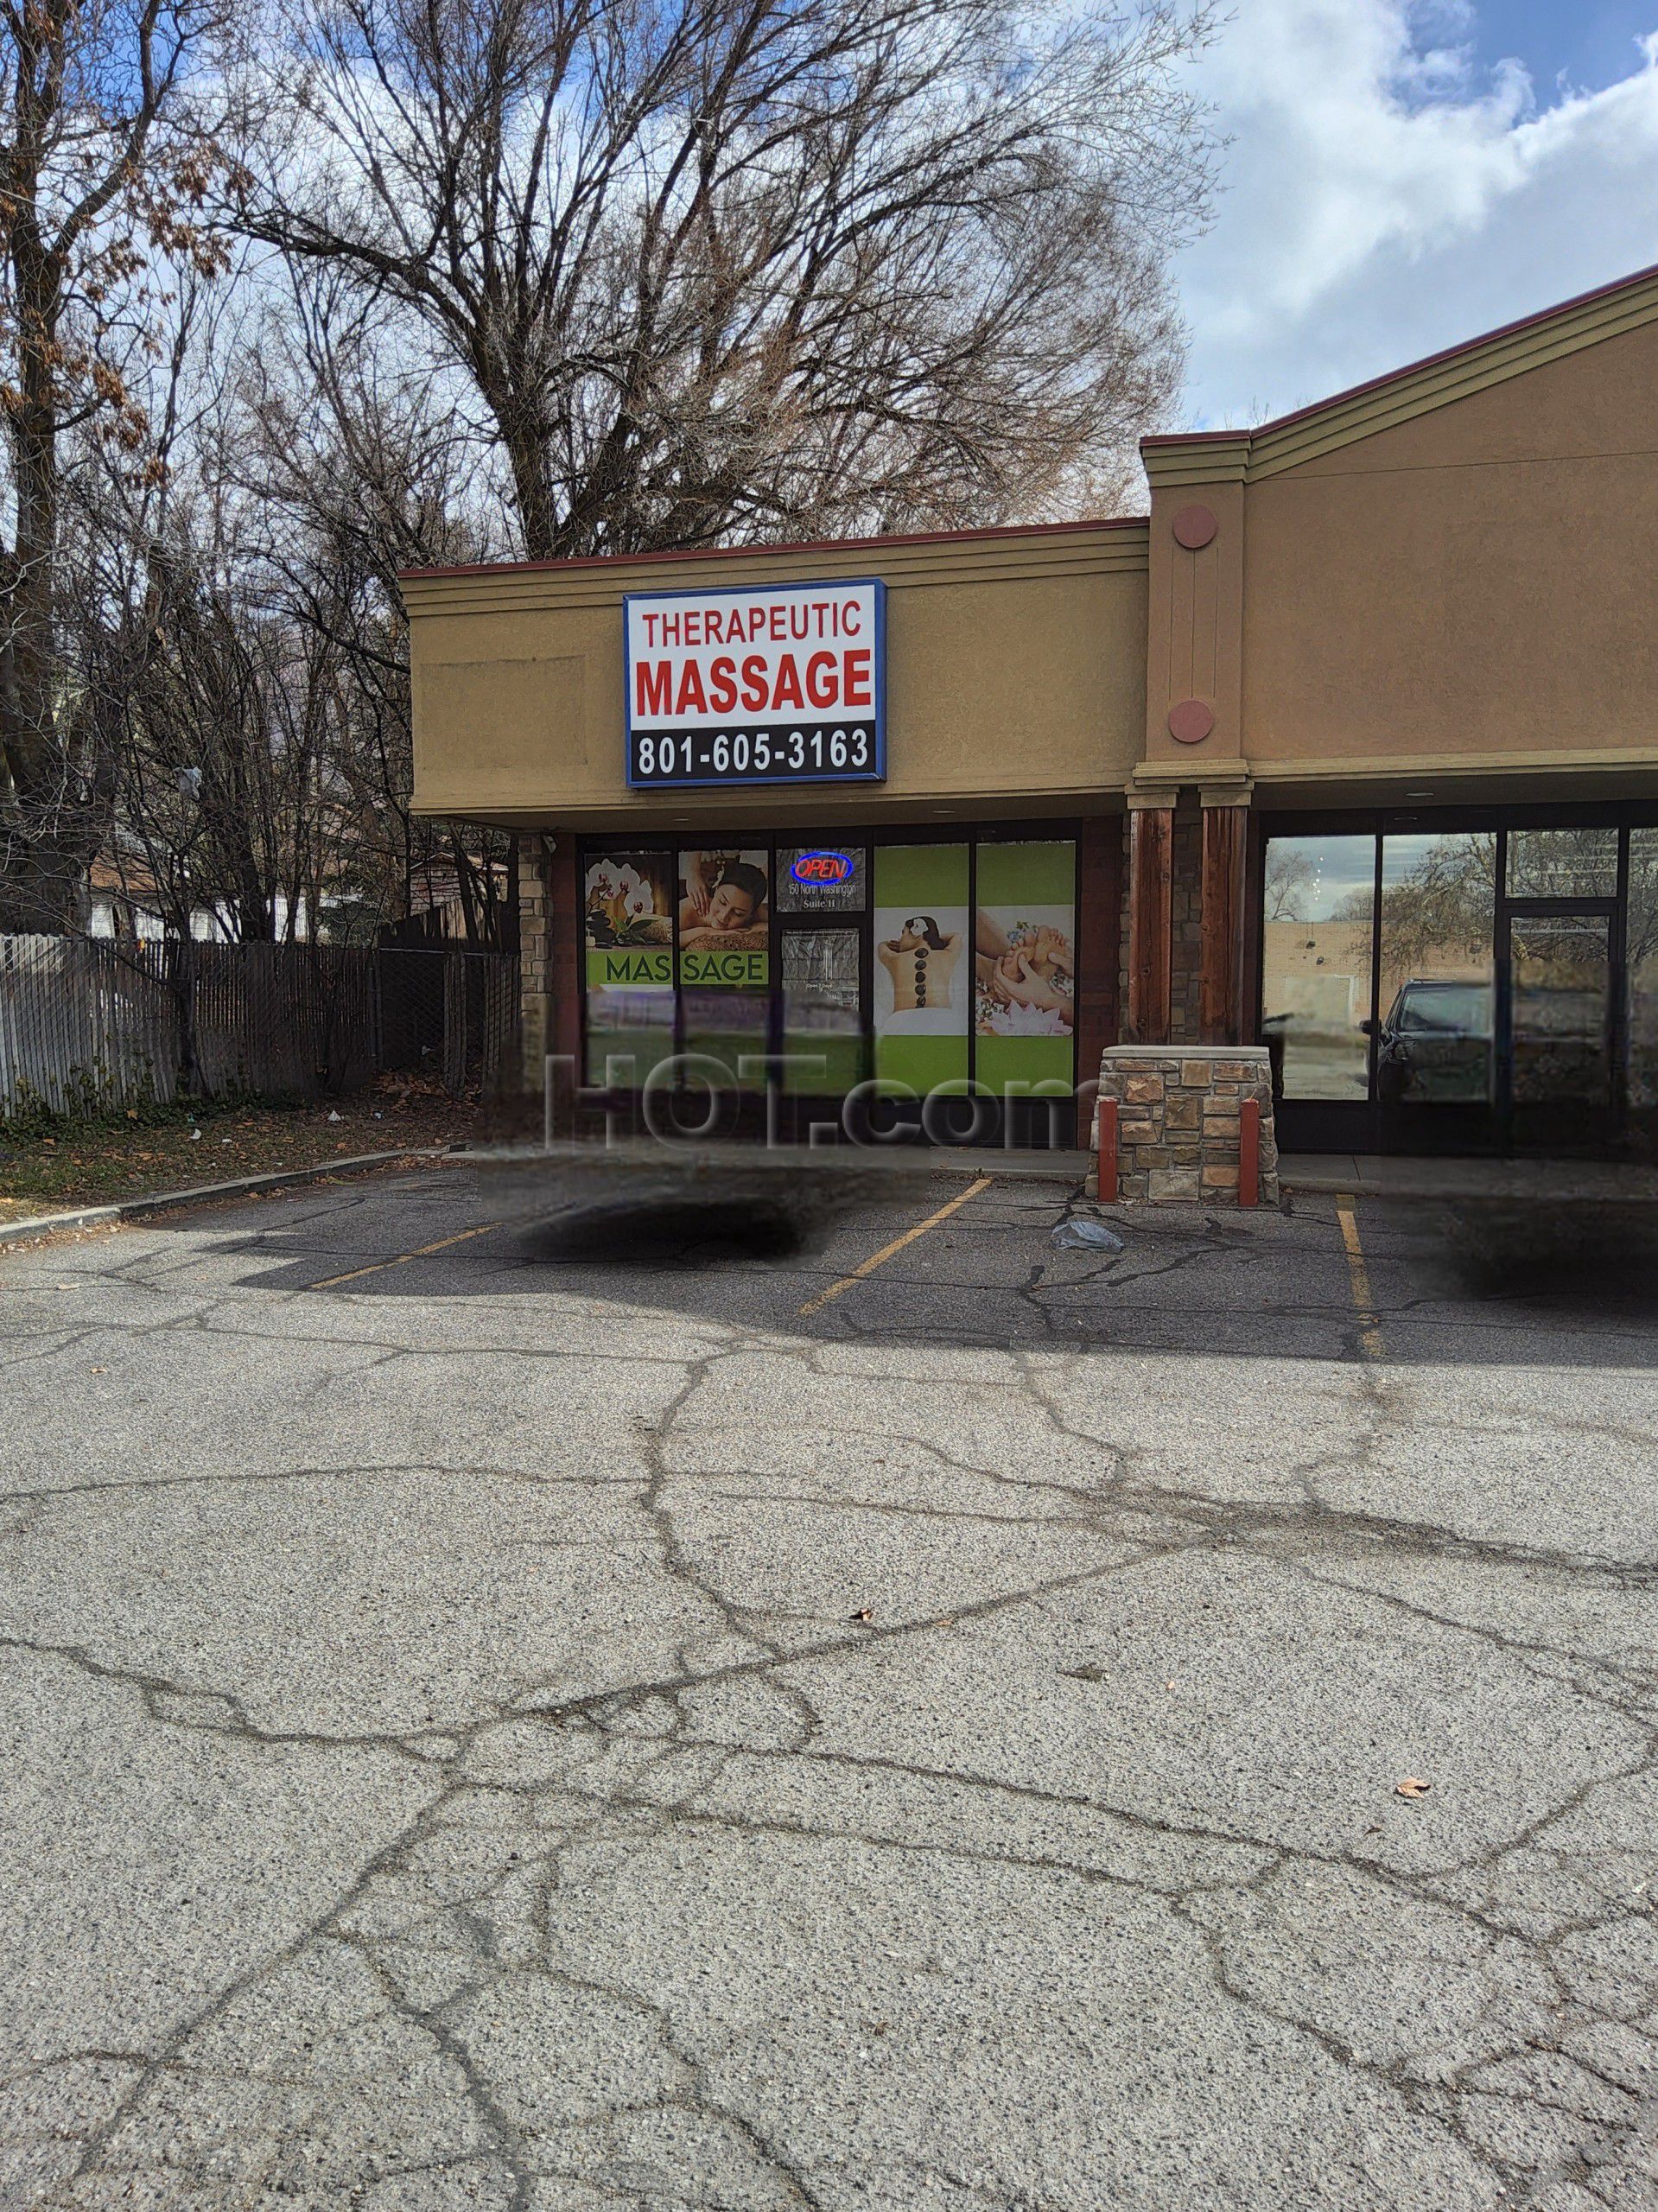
column 627, row 930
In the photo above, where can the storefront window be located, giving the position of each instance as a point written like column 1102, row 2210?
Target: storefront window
column 628, row 934
column 822, row 878
column 1025, row 967
column 1561, row 982
column 822, row 1012
column 853, row 960
column 1640, row 957
column 731, row 1028
column 1438, row 905
column 724, row 961
column 923, row 966
column 1562, row 864
column 1319, row 894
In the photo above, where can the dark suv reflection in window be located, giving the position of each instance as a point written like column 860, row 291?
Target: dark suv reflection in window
column 1435, row 1042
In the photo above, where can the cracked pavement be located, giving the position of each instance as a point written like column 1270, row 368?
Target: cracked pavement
column 532, row 1727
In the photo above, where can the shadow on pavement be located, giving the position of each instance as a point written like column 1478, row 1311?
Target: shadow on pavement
column 1594, row 1260
column 1486, row 1283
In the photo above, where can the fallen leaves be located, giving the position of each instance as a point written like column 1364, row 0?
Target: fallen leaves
column 1412, row 1786
column 864, row 1613
column 1089, row 1674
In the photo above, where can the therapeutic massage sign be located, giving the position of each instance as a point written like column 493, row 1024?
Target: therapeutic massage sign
column 777, row 684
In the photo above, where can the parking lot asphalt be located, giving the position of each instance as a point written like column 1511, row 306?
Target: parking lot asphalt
column 509, row 1705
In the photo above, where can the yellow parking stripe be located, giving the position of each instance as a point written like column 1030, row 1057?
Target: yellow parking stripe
column 1359, row 1277
column 378, row 1266
column 878, row 1259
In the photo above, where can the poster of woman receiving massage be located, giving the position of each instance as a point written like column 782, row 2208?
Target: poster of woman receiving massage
column 725, row 920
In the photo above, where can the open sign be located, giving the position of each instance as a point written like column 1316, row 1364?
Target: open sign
column 822, row 867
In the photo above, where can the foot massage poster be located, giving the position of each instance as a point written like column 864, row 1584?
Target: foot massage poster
column 724, row 961
column 628, row 934
column 1025, row 967
column 924, row 967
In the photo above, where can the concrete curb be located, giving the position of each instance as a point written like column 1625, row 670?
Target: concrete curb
column 282, row 1179
column 1472, row 1182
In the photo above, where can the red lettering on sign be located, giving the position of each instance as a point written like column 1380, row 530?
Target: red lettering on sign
column 822, row 685
column 722, row 684
column 653, row 688
column 691, row 693
column 787, row 692
column 755, row 690
column 854, row 683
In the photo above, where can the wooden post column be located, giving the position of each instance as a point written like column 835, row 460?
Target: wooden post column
column 1099, row 885
column 1151, row 867
column 1220, row 997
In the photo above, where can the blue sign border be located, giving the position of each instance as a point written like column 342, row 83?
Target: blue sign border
column 875, row 775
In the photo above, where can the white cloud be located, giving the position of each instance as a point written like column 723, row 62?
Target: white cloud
column 1385, row 198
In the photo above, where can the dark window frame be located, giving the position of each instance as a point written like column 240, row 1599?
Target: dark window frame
column 1338, row 1124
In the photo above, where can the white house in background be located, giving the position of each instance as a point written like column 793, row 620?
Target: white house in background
column 121, row 903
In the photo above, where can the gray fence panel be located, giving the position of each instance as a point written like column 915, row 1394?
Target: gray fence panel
column 81, row 1022
column 85, row 1021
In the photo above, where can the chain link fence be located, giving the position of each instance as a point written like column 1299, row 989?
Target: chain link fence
column 89, row 1025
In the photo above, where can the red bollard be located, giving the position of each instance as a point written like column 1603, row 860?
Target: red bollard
column 1249, row 1152
column 1108, row 1152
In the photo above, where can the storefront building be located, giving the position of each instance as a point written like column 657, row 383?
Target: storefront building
column 1349, row 746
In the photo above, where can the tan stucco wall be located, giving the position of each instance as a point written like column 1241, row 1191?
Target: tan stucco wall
column 1015, row 682
column 1478, row 582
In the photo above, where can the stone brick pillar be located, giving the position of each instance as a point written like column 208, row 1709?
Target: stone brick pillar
column 1177, row 1118
column 535, row 899
column 550, row 920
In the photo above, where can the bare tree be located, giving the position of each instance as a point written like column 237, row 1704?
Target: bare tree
column 1287, row 881
column 743, row 268
column 96, row 184
column 362, row 471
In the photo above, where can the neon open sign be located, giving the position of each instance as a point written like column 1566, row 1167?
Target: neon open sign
column 822, row 867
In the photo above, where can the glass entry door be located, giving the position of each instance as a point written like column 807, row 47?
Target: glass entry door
column 825, row 1009
column 1560, row 1043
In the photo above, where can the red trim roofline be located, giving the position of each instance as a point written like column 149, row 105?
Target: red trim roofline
column 760, row 552
column 1411, row 368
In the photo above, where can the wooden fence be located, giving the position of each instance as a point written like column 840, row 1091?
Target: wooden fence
column 92, row 1024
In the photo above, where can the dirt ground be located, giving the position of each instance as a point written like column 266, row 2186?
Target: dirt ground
column 176, row 1147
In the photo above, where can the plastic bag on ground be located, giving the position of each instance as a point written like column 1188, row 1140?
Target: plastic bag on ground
column 1081, row 1234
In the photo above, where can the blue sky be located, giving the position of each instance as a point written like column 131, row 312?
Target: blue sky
column 1592, row 42
column 1406, row 173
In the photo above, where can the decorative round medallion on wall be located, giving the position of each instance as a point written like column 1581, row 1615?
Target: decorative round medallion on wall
column 1190, row 720
column 1194, row 527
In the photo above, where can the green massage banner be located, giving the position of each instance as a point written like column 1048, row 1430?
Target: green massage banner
column 1025, row 968
column 924, row 967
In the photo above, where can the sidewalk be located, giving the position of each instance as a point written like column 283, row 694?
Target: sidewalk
column 1373, row 1175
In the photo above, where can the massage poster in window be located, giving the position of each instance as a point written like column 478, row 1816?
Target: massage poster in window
column 923, row 966
column 725, row 920
column 1024, row 965
column 627, row 930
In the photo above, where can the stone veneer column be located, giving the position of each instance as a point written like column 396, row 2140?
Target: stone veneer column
column 1178, row 1119
column 534, row 904
column 549, row 958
